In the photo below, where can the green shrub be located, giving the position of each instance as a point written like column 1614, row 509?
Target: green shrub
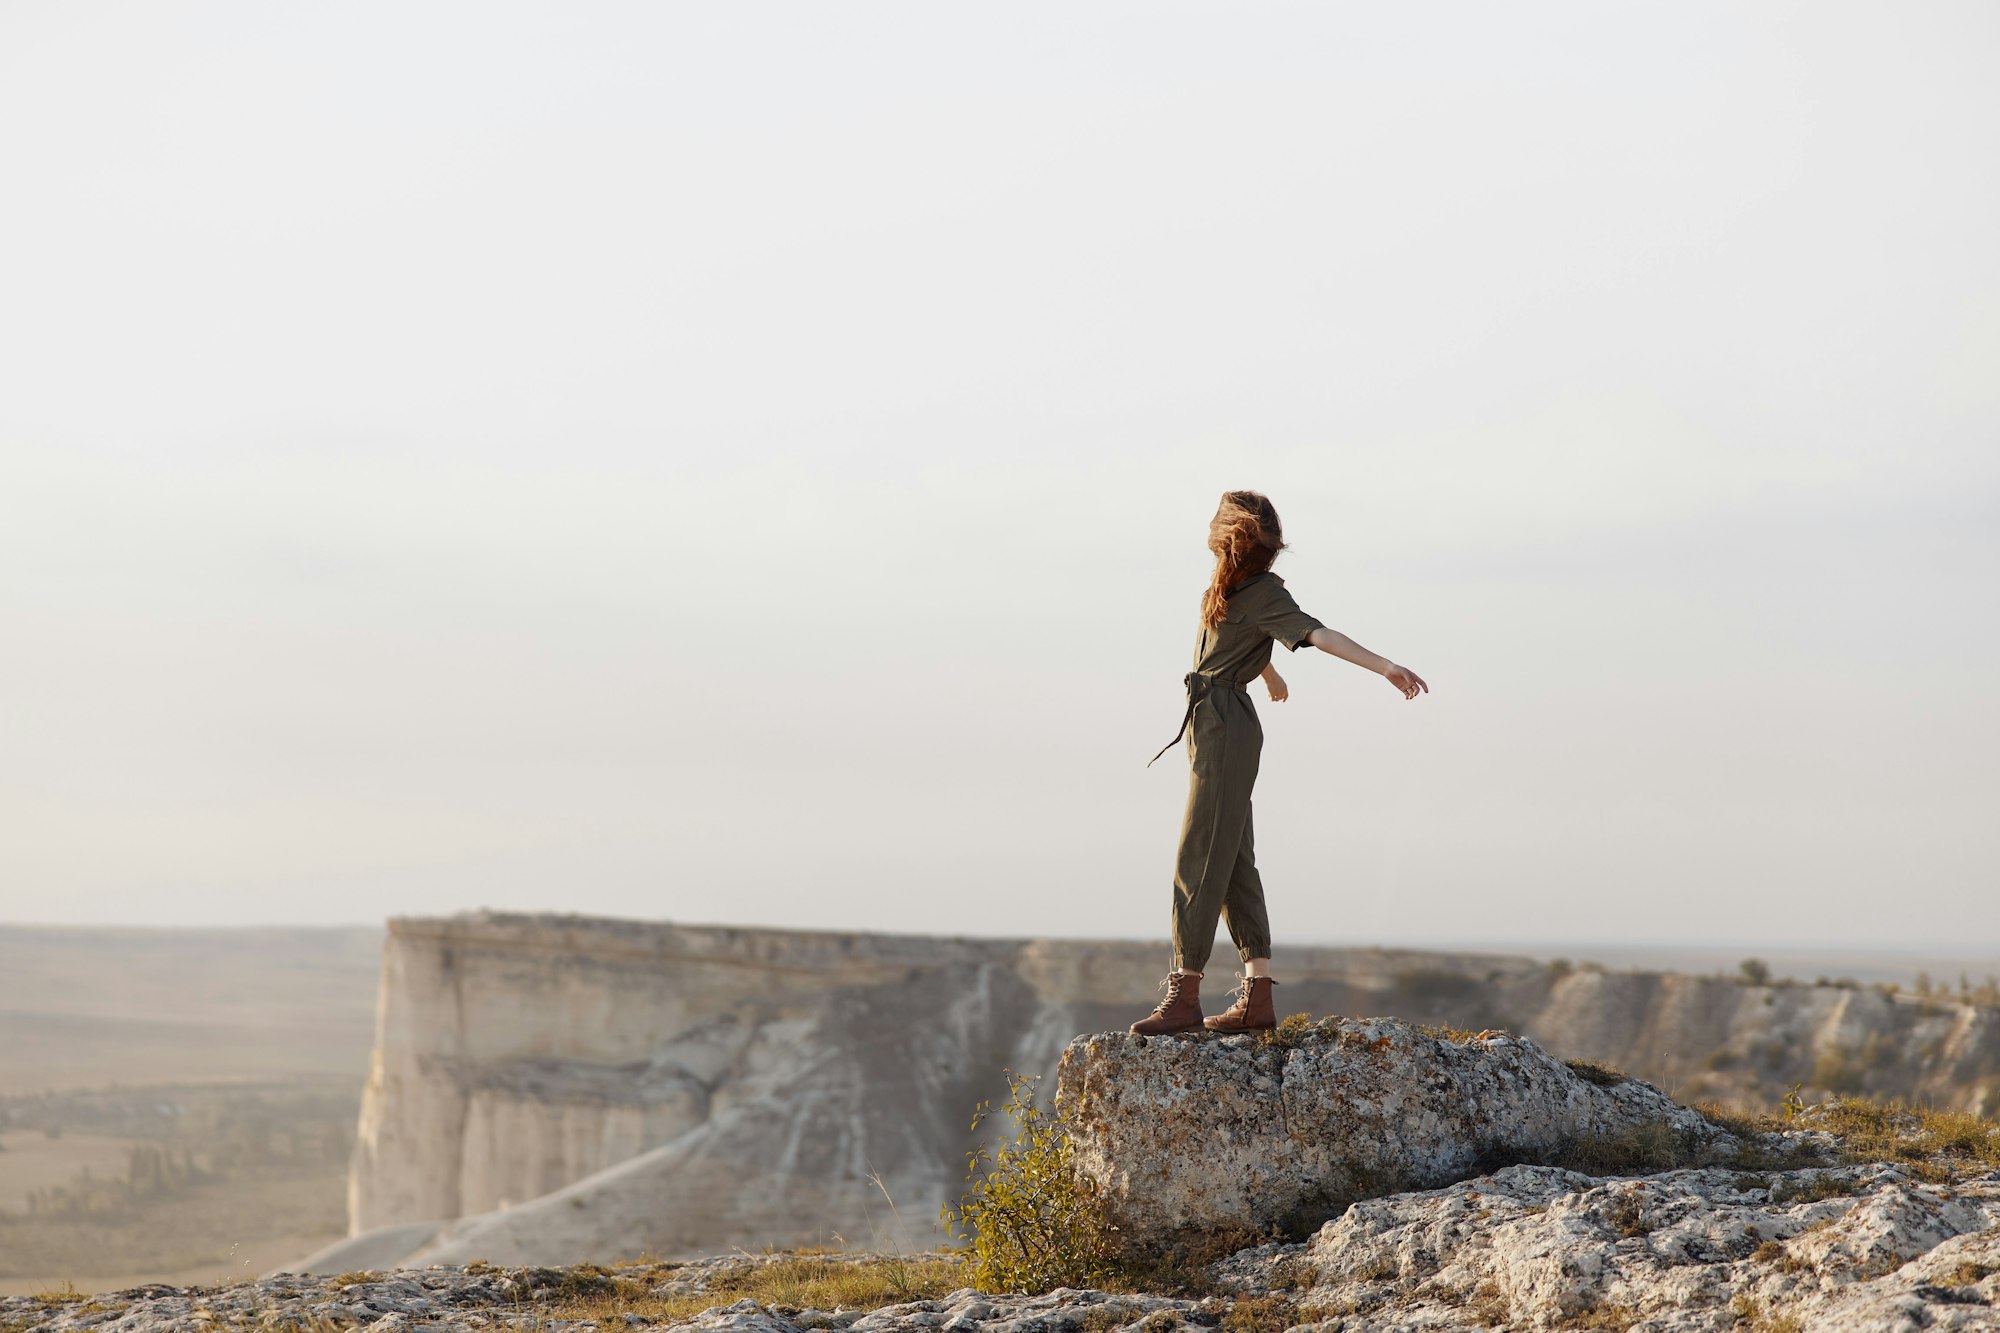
column 1031, row 1220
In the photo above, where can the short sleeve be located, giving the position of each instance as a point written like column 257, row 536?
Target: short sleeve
column 1279, row 616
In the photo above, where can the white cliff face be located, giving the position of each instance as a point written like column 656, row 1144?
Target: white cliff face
column 519, row 1055
column 1715, row 1038
column 868, row 1087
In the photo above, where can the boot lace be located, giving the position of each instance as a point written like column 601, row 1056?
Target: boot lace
column 1172, row 987
column 1245, row 987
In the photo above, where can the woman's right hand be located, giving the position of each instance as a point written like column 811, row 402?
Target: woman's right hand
column 1406, row 680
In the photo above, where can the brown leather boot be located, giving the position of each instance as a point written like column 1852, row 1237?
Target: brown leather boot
column 1252, row 1011
column 1179, row 1012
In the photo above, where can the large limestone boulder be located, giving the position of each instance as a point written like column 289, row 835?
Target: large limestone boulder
column 1199, row 1137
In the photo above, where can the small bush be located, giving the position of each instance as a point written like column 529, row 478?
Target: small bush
column 1754, row 972
column 1032, row 1221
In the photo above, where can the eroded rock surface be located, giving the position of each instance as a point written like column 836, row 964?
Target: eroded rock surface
column 1853, row 1248
column 1199, row 1136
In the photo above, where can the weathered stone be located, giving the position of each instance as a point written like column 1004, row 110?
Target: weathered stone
column 1539, row 1247
column 1527, row 1247
column 1195, row 1137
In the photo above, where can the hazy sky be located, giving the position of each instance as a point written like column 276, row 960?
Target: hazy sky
column 746, row 462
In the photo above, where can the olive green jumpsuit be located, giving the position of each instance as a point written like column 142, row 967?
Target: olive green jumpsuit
column 1215, row 874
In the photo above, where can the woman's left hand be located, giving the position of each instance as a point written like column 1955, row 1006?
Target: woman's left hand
column 1406, row 680
column 1275, row 683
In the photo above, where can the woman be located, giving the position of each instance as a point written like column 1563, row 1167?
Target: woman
column 1245, row 609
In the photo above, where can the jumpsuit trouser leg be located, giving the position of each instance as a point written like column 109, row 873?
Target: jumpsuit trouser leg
column 1215, row 873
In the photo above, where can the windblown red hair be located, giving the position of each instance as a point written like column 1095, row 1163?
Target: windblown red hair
column 1246, row 538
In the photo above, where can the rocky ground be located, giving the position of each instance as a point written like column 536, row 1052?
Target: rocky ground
column 1846, row 1247
column 1567, row 1196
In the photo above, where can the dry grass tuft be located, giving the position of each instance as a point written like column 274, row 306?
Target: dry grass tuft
column 1812, row 1189
column 1884, row 1132
column 1603, row 1075
column 1489, row 1306
column 1294, row 1273
column 1457, row 1036
column 1932, row 1145
column 1654, row 1145
column 796, row 1281
column 1627, row 1215
column 1261, row 1314
column 1775, row 1253
column 1750, row 1312
column 1183, row 1269
column 1293, row 1031
column 1611, row 1315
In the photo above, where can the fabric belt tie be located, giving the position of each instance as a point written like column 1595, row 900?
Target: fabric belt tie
column 1198, row 688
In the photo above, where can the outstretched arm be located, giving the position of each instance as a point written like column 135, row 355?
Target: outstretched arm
column 1347, row 650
